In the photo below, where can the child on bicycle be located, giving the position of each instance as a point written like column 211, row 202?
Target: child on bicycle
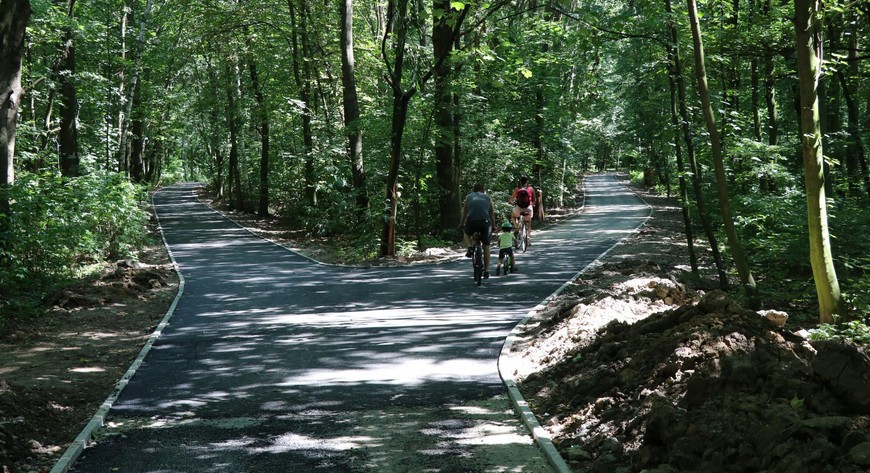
column 505, row 248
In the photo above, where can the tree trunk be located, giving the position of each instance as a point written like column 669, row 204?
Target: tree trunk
column 829, row 112
column 397, row 16
column 731, row 84
column 856, row 162
column 350, row 102
column 442, row 45
column 772, row 124
column 457, row 146
column 808, row 35
column 690, row 154
column 755, row 84
column 123, row 157
column 69, row 107
column 137, row 143
column 302, row 76
column 770, row 101
column 737, row 253
column 539, row 133
column 681, row 168
column 263, row 119
column 756, row 111
column 235, row 185
column 397, row 131
column 14, row 15
column 211, row 131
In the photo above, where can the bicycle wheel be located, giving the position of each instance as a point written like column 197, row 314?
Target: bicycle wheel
column 507, row 264
column 478, row 263
column 524, row 241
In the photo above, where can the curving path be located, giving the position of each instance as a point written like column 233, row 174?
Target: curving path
column 273, row 363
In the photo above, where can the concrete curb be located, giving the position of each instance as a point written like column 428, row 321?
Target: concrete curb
column 84, row 438
column 506, row 365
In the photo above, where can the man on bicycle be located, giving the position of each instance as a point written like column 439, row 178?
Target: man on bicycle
column 523, row 199
column 478, row 214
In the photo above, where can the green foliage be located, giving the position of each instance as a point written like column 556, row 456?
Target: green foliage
column 774, row 229
column 636, row 177
column 535, row 93
column 849, row 221
column 405, row 248
column 359, row 249
column 58, row 226
column 855, row 331
column 796, row 403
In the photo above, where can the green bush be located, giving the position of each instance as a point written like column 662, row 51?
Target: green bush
column 58, row 225
column 855, row 331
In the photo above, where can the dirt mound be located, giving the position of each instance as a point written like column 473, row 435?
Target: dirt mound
column 56, row 369
column 706, row 387
column 127, row 279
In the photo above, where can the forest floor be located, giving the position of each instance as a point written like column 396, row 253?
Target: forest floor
column 637, row 365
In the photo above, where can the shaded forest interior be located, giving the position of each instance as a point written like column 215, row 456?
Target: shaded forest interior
column 370, row 121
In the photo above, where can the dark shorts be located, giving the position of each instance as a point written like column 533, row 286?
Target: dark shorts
column 482, row 227
column 505, row 251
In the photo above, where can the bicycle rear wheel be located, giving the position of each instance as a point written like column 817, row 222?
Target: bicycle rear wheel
column 477, row 260
column 524, row 240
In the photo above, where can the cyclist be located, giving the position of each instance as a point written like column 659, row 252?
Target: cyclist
column 478, row 214
column 506, row 247
column 523, row 199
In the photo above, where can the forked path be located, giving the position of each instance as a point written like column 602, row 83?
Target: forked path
column 272, row 363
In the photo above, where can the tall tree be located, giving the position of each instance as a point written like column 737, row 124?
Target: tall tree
column 302, row 76
column 734, row 244
column 137, row 139
column 14, row 15
column 396, row 34
column 448, row 182
column 69, row 105
column 233, row 123
column 856, row 161
column 673, row 58
column 350, row 102
column 680, row 83
column 127, row 109
column 263, row 122
column 808, row 35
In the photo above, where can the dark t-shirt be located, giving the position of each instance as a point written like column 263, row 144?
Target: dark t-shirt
column 477, row 206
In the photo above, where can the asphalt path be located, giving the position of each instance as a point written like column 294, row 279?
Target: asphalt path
column 274, row 363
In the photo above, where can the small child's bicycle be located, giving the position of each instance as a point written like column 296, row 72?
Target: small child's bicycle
column 507, row 263
column 506, row 254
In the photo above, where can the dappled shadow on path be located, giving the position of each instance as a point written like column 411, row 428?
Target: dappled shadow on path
column 275, row 363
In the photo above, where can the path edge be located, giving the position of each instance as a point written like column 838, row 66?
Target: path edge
column 505, row 365
column 85, row 437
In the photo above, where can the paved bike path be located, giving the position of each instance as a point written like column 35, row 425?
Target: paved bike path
column 273, row 363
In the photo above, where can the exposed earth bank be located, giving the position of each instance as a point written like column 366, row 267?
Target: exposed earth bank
column 638, row 367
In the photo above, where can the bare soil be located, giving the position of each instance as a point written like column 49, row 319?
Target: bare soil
column 56, row 369
column 642, row 367
column 638, row 366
